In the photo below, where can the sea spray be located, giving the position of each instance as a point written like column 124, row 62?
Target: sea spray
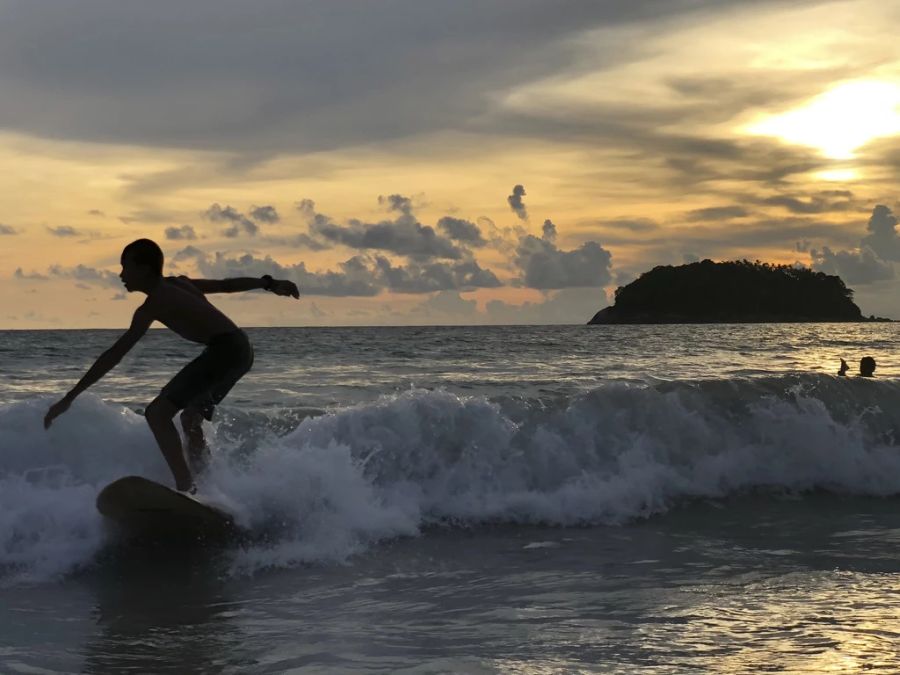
column 340, row 482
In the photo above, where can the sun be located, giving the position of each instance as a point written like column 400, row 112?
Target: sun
column 839, row 121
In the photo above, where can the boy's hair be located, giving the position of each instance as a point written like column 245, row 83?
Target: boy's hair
column 145, row 252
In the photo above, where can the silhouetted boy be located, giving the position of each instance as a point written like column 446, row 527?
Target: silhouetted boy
column 180, row 304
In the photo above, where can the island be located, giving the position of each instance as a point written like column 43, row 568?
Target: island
column 732, row 292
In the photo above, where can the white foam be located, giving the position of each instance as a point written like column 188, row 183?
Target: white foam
column 343, row 481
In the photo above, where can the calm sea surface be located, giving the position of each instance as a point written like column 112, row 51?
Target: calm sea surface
column 618, row 499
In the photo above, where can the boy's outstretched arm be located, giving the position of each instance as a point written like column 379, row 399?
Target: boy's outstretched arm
column 266, row 283
column 104, row 363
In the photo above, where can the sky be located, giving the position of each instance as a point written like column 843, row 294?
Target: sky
column 436, row 162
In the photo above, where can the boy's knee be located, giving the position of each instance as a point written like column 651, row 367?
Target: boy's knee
column 160, row 410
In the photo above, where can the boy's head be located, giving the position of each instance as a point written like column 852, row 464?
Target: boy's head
column 142, row 264
column 867, row 366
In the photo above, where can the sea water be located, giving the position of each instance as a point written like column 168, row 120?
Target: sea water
column 617, row 499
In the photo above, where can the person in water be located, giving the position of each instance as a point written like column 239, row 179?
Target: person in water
column 180, row 304
column 866, row 367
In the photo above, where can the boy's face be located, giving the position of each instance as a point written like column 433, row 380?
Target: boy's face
column 133, row 275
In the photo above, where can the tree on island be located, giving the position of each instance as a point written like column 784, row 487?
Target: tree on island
column 736, row 291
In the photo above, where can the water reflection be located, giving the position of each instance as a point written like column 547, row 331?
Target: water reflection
column 160, row 610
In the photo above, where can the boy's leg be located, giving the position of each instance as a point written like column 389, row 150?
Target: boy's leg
column 197, row 449
column 159, row 416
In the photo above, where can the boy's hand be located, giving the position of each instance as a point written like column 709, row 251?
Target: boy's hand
column 56, row 410
column 284, row 287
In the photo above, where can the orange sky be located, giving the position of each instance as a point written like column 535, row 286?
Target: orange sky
column 653, row 134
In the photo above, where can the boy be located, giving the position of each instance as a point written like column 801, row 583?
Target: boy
column 180, row 304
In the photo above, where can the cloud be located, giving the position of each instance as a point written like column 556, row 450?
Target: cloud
column 717, row 213
column 828, row 201
column 882, row 237
column 96, row 212
column 358, row 276
column 33, row 276
column 404, row 236
column 239, row 222
column 548, row 232
column 86, row 274
column 566, row 306
column 7, row 230
column 448, row 304
column 264, row 214
column 462, row 231
column 353, row 278
column 544, row 266
column 871, row 261
column 119, row 296
column 434, row 276
column 178, row 233
column 854, row 267
column 397, row 203
column 148, row 216
column 516, row 204
column 188, row 253
column 307, row 207
column 64, row 231
column 333, row 79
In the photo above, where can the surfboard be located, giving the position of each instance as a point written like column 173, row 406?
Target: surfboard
column 143, row 506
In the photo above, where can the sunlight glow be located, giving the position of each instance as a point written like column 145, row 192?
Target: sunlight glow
column 837, row 175
column 841, row 120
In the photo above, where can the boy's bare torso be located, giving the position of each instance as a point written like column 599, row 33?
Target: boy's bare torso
column 179, row 305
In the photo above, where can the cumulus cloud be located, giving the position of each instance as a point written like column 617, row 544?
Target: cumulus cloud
column 548, row 232
column 434, row 276
column 64, row 231
column 882, row 237
column 32, row 276
column 228, row 214
column 861, row 266
column 7, row 230
column 871, row 261
column 264, row 214
column 353, row 277
column 404, row 235
column 86, row 274
column 462, row 230
column 544, row 266
column 358, row 276
column 307, row 207
column 178, row 233
column 515, row 202
column 396, row 203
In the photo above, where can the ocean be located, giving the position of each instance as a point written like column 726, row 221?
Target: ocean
column 520, row 499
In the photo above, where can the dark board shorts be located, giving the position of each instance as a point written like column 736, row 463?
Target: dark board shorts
column 206, row 380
